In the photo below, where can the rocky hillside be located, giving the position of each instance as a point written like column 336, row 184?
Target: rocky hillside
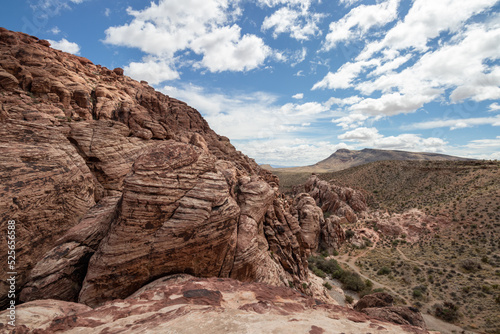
column 115, row 185
column 430, row 234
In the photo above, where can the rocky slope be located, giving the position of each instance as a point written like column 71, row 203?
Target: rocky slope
column 113, row 185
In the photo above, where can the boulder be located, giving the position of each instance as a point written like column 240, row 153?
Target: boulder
column 379, row 299
column 401, row 315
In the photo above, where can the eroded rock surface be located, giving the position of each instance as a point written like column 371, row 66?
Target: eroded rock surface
column 115, row 184
column 185, row 304
column 335, row 200
column 177, row 215
column 46, row 187
column 379, row 299
column 398, row 314
column 380, row 305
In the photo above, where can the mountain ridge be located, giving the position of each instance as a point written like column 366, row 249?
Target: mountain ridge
column 344, row 158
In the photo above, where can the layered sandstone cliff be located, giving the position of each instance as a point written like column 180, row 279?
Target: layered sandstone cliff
column 113, row 185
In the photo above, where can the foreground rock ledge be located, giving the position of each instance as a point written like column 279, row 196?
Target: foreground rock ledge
column 185, row 304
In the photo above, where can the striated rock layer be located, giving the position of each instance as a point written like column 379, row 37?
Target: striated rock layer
column 113, row 185
column 185, row 304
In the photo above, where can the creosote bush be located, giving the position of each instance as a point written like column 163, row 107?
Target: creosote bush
column 447, row 311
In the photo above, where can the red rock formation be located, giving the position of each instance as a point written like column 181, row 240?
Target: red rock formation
column 340, row 201
column 46, row 187
column 380, row 305
column 97, row 165
column 318, row 233
column 311, row 219
column 401, row 315
column 413, row 223
column 332, row 235
column 379, row 299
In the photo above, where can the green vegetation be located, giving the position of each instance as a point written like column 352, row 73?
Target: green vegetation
column 384, row 271
column 447, row 311
column 318, row 272
column 419, row 291
column 350, row 280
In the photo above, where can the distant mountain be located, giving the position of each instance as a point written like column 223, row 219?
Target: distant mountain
column 343, row 159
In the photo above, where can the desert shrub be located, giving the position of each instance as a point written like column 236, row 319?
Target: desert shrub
column 447, row 311
column 471, row 265
column 384, row 271
column 327, row 285
column 348, row 299
column 419, row 291
column 486, row 289
column 318, row 272
column 349, row 234
column 328, row 266
column 352, row 281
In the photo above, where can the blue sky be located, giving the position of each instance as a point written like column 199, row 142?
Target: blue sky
column 291, row 81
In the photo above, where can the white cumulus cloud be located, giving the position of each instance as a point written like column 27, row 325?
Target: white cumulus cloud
column 359, row 20
column 298, row 22
column 454, row 124
column 65, row 45
column 370, row 137
column 401, row 73
column 205, row 27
